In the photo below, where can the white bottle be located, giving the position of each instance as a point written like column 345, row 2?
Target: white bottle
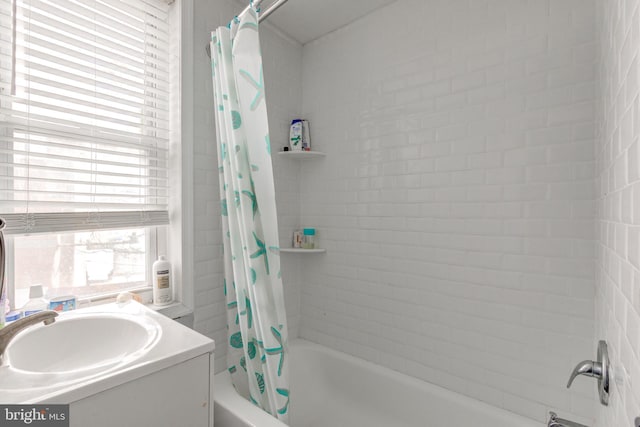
column 306, row 136
column 36, row 301
column 161, row 277
column 295, row 135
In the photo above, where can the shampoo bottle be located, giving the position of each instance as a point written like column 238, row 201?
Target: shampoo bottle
column 295, row 135
column 161, row 277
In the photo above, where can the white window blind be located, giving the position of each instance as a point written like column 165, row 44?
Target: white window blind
column 84, row 114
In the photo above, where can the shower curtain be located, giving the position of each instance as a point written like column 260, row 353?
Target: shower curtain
column 256, row 318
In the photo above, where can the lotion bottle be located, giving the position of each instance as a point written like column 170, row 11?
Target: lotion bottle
column 161, row 278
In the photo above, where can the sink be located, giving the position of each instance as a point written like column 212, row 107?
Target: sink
column 94, row 349
column 83, row 344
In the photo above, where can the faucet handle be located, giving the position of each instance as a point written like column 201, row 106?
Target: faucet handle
column 598, row 369
column 588, row 368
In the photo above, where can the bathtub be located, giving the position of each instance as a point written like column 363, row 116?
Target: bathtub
column 332, row 389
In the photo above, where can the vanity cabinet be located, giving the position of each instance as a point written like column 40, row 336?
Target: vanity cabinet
column 176, row 396
column 152, row 372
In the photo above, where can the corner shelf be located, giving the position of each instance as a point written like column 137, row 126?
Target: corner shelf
column 302, row 251
column 300, row 155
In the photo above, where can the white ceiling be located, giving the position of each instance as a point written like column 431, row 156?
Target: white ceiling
column 306, row 20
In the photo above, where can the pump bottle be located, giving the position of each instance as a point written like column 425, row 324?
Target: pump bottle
column 161, row 277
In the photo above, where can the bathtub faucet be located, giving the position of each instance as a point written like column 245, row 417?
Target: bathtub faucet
column 598, row 369
column 554, row 421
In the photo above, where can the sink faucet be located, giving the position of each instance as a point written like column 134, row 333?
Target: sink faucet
column 10, row 331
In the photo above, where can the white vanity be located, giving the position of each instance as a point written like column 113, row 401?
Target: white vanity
column 116, row 365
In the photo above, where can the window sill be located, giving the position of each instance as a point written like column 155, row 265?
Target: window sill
column 173, row 310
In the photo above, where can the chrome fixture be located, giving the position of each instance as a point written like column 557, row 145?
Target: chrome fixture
column 261, row 16
column 598, row 369
column 10, row 331
column 554, row 421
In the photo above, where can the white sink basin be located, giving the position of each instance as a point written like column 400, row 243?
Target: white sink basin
column 91, row 350
column 82, row 344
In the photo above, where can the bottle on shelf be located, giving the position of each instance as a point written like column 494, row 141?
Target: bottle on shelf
column 297, row 239
column 161, row 276
column 295, row 135
column 306, row 136
column 309, row 238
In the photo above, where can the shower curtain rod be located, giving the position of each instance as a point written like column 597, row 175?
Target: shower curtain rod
column 263, row 15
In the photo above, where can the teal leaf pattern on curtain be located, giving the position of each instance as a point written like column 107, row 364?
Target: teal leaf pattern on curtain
column 258, row 85
column 261, row 251
column 277, row 350
column 256, row 320
column 285, row 393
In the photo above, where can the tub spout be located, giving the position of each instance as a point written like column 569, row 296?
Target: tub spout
column 555, row 421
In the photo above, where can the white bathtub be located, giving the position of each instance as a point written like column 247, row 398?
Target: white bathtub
column 332, row 389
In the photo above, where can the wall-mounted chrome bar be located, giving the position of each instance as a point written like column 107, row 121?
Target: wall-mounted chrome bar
column 275, row 6
column 256, row 3
column 263, row 15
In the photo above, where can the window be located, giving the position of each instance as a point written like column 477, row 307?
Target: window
column 85, row 122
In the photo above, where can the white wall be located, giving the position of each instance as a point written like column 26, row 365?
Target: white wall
column 618, row 198
column 282, row 60
column 457, row 197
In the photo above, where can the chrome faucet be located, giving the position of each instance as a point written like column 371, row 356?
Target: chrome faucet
column 10, row 331
column 588, row 368
column 598, row 370
column 554, row 421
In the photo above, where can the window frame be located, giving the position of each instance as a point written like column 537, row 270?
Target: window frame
column 155, row 245
column 175, row 239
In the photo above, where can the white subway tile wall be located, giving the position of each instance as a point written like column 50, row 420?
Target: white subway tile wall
column 282, row 61
column 457, row 198
column 618, row 206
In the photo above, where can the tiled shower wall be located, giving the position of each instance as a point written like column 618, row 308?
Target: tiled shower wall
column 282, row 61
column 618, row 196
column 456, row 200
